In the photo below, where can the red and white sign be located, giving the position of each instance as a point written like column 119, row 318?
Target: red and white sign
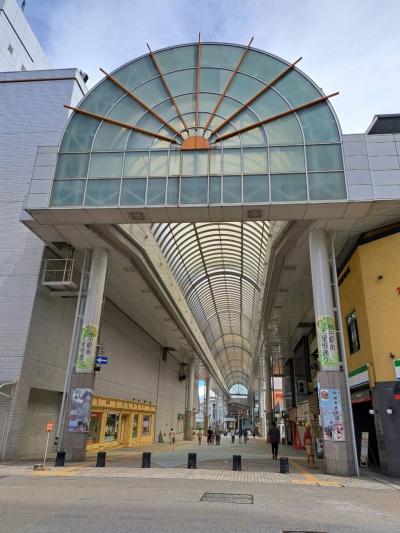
column 49, row 427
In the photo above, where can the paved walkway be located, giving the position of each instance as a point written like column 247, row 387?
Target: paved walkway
column 213, row 463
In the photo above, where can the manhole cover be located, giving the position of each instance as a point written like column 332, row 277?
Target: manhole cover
column 226, row 497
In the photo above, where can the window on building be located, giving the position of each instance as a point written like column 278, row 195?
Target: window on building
column 10, row 49
column 352, row 330
column 111, row 427
column 135, row 426
column 94, row 428
column 146, row 425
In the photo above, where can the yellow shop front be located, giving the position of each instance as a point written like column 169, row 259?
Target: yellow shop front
column 120, row 423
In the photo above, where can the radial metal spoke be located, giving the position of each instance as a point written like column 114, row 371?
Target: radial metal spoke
column 141, row 103
column 196, row 123
column 228, row 84
column 121, row 124
column 274, row 117
column 166, row 87
column 257, row 95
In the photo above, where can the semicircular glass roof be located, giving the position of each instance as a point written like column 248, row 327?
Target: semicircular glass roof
column 200, row 124
column 220, row 269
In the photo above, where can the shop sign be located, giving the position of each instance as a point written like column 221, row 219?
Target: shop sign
column 327, row 343
column 364, row 448
column 79, row 415
column 330, row 402
column 396, row 364
column 359, row 376
column 87, row 349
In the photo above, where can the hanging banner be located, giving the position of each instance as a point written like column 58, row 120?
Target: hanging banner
column 330, row 404
column 79, row 414
column 327, row 343
column 87, row 349
column 297, row 440
column 364, row 448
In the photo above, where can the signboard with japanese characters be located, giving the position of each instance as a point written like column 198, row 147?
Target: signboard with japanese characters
column 330, row 403
column 87, row 349
column 327, row 343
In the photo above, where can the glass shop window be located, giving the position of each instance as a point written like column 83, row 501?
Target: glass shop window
column 352, row 331
column 146, row 425
column 135, row 426
column 94, row 428
column 111, row 427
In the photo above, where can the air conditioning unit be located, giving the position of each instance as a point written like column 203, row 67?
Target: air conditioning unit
column 60, row 274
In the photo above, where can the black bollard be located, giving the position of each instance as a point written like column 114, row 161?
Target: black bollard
column 284, row 465
column 192, row 460
column 237, row 463
column 146, row 460
column 60, row 459
column 101, row 459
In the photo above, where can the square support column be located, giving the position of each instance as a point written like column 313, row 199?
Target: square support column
column 332, row 385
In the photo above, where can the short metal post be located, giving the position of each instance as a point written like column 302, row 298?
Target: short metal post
column 60, row 459
column 237, row 463
column 284, row 465
column 146, row 460
column 192, row 461
column 47, row 445
column 101, row 459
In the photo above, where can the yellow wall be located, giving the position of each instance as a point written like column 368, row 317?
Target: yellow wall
column 125, row 411
column 376, row 303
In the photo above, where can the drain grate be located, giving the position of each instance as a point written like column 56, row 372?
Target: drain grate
column 226, row 497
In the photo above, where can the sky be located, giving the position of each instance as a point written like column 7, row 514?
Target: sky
column 350, row 46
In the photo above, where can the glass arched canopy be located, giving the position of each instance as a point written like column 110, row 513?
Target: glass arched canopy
column 200, row 124
column 220, row 269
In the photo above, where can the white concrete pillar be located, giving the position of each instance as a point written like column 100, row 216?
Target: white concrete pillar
column 323, row 301
column 333, row 397
column 82, row 379
column 188, row 432
column 91, row 318
column 207, row 405
column 268, row 392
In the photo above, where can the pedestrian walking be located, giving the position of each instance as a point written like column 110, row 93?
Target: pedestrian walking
column 233, row 436
column 308, row 444
column 209, row 435
column 217, row 435
column 172, row 438
column 274, row 438
column 199, row 436
column 240, row 436
column 245, row 436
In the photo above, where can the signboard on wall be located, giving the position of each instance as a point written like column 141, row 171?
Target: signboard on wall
column 79, row 415
column 331, row 414
column 364, row 448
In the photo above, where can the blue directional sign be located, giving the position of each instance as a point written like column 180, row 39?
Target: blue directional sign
column 101, row 360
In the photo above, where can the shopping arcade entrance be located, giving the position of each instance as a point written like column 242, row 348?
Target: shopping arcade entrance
column 238, row 145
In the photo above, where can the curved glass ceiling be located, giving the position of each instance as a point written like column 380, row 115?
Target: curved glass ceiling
column 200, row 124
column 220, row 269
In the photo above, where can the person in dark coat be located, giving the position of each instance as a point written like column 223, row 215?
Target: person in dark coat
column 274, row 437
column 209, row 436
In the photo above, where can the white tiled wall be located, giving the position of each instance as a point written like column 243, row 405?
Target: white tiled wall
column 373, row 166
column 16, row 31
column 31, row 114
